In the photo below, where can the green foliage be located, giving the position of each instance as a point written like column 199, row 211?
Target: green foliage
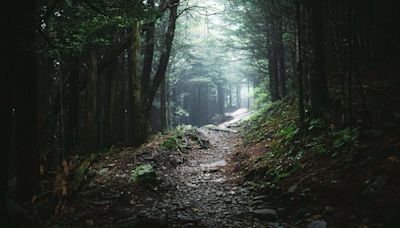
column 315, row 124
column 261, row 97
column 73, row 27
column 345, row 138
column 180, row 112
column 275, row 126
column 174, row 140
column 144, row 173
column 288, row 132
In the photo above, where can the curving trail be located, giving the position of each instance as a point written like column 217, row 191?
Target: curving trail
column 197, row 188
column 206, row 194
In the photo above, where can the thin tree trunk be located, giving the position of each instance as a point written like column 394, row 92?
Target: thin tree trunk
column 248, row 94
column 198, row 106
column 6, row 99
column 91, row 93
column 163, row 107
column 238, row 96
column 230, row 95
column 221, row 99
column 71, row 127
column 281, row 60
column 110, row 91
column 273, row 75
column 149, row 52
column 164, row 58
column 300, row 66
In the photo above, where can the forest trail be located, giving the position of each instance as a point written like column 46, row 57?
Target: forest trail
column 197, row 189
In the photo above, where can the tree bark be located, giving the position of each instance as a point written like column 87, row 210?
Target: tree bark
column 221, row 99
column 91, row 96
column 71, row 127
column 319, row 88
column 230, row 95
column 238, row 96
column 110, row 93
column 149, row 52
column 164, row 58
column 281, row 59
column 273, row 75
column 163, row 107
column 26, row 128
column 138, row 118
column 300, row 89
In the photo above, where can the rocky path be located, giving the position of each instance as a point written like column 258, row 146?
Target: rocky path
column 206, row 194
column 196, row 188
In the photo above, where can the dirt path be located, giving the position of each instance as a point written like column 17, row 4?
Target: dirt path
column 197, row 189
column 206, row 195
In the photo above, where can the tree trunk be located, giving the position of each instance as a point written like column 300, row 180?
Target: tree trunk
column 248, row 94
column 9, row 45
column 91, row 96
column 163, row 107
column 71, row 127
column 319, row 88
column 273, row 75
column 230, row 95
column 281, row 60
column 164, row 58
column 149, row 52
column 26, row 128
column 221, row 99
column 300, row 90
column 238, row 96
column 139, row 121
column 110, row 93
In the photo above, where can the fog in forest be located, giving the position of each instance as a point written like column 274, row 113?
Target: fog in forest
column 200, row 113
column 211, row 72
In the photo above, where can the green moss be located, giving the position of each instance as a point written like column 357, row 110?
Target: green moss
column 144, row 173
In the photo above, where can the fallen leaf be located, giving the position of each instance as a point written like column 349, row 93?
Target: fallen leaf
column 393, row 159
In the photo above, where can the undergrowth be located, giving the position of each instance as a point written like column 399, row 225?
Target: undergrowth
column 183, row 138
column 284, row 144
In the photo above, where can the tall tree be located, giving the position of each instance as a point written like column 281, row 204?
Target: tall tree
column 299, row 68
column 319, row 87
column 91, row 105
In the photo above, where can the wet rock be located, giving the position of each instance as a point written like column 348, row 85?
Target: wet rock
column 317, row 224
column 191, row 185
column 265, row 214
column 261, row 197
column 103, row 171
column 292, row 189
column 275, row 225
column 329, row 209
column 256, row 202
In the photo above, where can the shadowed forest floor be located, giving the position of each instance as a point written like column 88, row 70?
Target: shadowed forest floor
column 236, row 175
